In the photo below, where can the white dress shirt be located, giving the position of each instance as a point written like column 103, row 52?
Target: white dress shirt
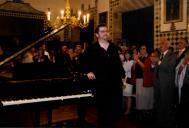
column 181, row 51
column 179, row 79
column 164, row 53
column 127, row 65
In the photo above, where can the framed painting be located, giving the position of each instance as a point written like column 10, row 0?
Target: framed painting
column 103, row 18
column 173, row 11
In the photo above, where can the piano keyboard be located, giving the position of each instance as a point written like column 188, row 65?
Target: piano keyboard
column 38, row 100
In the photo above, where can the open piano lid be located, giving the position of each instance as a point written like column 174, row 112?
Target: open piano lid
column 7, row 74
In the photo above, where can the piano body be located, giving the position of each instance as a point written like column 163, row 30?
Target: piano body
column 40, row 86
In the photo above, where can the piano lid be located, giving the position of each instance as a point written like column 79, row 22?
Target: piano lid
column 32, row 44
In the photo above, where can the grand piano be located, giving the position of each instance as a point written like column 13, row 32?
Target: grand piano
column 37, row 87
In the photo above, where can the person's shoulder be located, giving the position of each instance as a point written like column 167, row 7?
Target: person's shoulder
column 114, row 46
column 172, row 54
column 147, row 57
column 131, row 61
column 93, row 46
column 187, row 68
column 176, row 52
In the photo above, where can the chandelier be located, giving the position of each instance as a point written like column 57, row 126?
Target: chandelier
column 66, row 18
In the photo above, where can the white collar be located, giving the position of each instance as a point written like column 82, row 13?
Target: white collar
column 181, row 63
column 164, row 53
column 104, row 45
column 182, row 50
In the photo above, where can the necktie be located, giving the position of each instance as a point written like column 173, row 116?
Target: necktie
column 161, row 57
column 180, row 69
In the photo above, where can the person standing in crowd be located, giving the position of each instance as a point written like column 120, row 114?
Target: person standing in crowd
column 148, row 91
column 182, row 87
column 63, row 58
column 144, row 83
column 45, row 49
column 182, row 43
column 128, row 89
column 134, row 53
column 29, row 56
column 103, row 65
column 40, row 57
column 78, row 56
column 164, row 87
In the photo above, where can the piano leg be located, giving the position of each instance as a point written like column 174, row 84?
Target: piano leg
column 49, row 117
column 37, row 118
column 81, row 111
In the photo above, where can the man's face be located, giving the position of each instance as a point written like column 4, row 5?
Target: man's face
column 103, row 33
column 78, row 49
column 181, row 44
column 64, row 49
column 143, row 50
column 164, row 45
column 153, row 57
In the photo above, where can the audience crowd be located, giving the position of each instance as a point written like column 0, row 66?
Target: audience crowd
column 156, row 83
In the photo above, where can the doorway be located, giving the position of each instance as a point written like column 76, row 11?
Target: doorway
column 138, row 27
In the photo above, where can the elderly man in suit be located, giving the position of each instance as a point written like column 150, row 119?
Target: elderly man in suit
column 182, row 44
column 182, row 86
column 164, row 86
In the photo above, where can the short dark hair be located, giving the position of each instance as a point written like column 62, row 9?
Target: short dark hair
column 99, row 26
column 185, row 39
column 143, row 46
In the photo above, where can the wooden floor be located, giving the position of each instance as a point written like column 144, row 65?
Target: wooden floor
column 66, row 116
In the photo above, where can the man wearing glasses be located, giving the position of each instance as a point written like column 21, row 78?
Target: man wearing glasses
column 103, row 66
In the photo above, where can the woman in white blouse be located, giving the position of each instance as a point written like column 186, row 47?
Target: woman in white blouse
column 127, row 91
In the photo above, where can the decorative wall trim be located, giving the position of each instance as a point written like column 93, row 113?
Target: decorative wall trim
column 22, row 15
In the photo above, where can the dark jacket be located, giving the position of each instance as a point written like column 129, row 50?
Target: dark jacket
column 108, row 69
column 179, row 58
column 106, row 65
column 185, row 88
column 164, row 89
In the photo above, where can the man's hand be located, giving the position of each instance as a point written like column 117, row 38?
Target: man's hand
column 91, row 76
column 155, row 60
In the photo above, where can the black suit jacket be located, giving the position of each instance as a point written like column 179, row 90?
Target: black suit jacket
column 185, row 88
column 164, row 81
column 180, row 57
column 182, row 108
column 164, row 91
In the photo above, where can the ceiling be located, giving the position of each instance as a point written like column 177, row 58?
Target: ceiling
column 129, row 5
column 126, row 5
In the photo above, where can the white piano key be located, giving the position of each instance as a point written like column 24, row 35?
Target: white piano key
column 46, row 99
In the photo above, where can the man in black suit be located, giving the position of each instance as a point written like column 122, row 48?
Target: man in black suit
column 164, row 86
column 182, row 85
column 182, row 43
column 104, row 67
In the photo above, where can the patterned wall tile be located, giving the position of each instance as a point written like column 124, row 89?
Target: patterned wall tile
column 172, row 36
